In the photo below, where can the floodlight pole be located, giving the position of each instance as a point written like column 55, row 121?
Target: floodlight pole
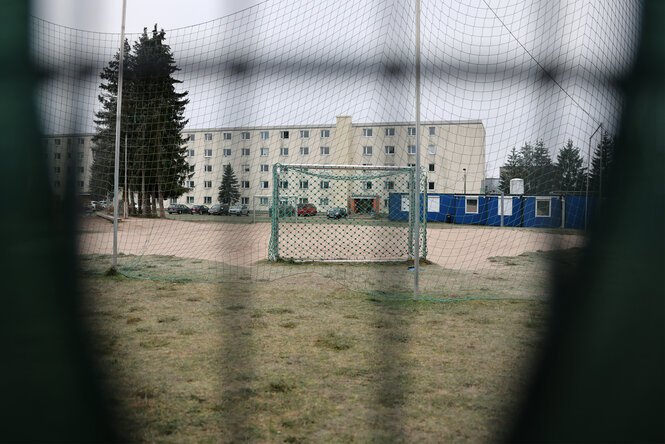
column 416, row 209
column 118, row 114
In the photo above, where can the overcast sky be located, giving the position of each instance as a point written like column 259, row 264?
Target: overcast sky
column 529, row 69
column 105, row 15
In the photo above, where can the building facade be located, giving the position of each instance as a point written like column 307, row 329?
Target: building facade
column 452, row 155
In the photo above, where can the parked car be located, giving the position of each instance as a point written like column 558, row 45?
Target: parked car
column 219, row 210
column 306, row 209
column 285, row 210
column 239, row 210
column 337, row 213
column 200, row 209
column 179, row 209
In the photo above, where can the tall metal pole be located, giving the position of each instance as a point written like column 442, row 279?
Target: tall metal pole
column 116, row 172
column 588, row 176
column 416, row 209
column 125, row 206
column 464, row 169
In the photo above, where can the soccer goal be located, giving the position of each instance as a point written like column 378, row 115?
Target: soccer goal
column 354, row 213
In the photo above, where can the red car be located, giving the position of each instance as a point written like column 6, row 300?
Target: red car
column 306, row 209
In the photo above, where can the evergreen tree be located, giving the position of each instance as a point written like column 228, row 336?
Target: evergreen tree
column 228, row 190
column 600, row 169
column 103, row 149
column 540, row 170
column 510, row 170
column 570, row 172
column 153, row 120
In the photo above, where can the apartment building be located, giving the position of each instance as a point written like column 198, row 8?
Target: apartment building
column 452, row 156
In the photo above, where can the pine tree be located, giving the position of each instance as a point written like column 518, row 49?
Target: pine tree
column 541, row 170
column 103, row 149
column 510, row 170
column 600, row 170
column 228, row 190
column 570, row 172
column 153, row 121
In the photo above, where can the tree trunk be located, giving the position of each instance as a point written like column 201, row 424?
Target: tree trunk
column 132, row 202
column 143, row 195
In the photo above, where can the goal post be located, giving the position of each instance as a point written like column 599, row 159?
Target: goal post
column 354, row 213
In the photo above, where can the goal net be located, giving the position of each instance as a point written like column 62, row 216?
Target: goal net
column 345, row 213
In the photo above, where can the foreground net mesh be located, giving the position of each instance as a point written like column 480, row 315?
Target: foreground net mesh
column 519, row 110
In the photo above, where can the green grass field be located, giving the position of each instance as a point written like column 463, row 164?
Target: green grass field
column 304, row 359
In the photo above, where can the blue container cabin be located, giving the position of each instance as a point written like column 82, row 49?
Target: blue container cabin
column 512, row 211
column 576, row 211
column 541, row 211
column 470, row 209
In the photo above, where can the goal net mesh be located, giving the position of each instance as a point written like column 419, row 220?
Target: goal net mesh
column 519, row 109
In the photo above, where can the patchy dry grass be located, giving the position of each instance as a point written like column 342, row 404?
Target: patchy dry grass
column 303, row 359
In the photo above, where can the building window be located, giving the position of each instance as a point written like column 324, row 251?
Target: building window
column 190, row 199
column 325, row 150
column 81, row 184
column 207, row 153
column 367, row 151
column 431, row 167
column 244, row 184
column 174, row 200
column 81, row 170
column 265, row 168
column 244, row 135
column 56, row 184
column 265, row 135
column 386, row 203
column 207, row 168
column 80, row 155
column 265, row 151
column 263, row 201
column 390, row 150
column 325, row 184
column 190, row 184
column 283, row 151
column 56, row 155
column 244, row 200
column 430, row 185
column 284, row 184
column 304, row 184
column 227, row 152
column 208, row 137
column 325, row 134
column 432, row 131
column 411, row 131
column 207, row 184
column 264, row 185
column 304, row 134
column 388, row 185
column 245, row 168
column 303, row 200
column 412, row 149
column 191, row 153
column 323, row 201
column 245, row 152
column 207, row 199
column 367, row 132
column 81, row 141
column 190, row 137
column 227, row 136
column 56, row 169
column 304, row 150
column 543, row 208
column 410, row 164
column 471, row 205
column 57, row 142
column 431, row 149
column 367, row 185
column 283, row 134
column 390, row 131
column 192, row 167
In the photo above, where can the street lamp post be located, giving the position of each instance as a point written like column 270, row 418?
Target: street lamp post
column 464, row 169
